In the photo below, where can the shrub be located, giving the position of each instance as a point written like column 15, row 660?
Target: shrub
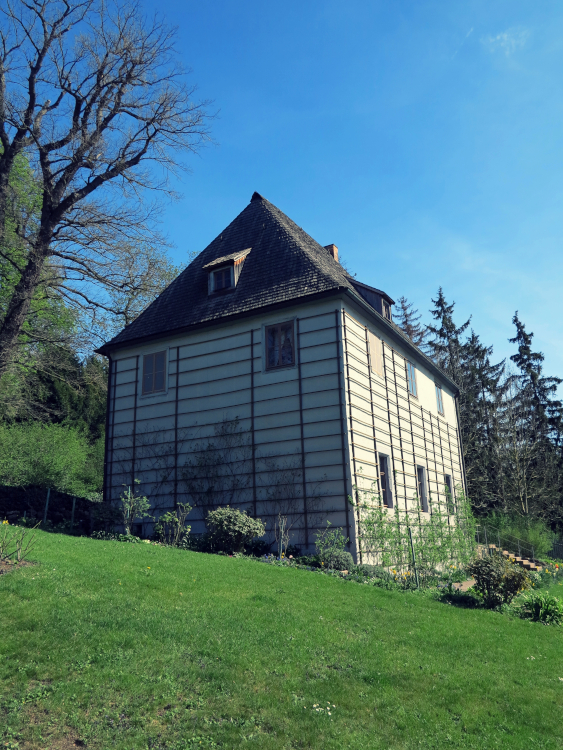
column 230, row 530
column 533, row 532
column 498, row 580
column 107, row 536
column 171, row 527
column 330, row 545
column 341, row 560
column 541, row 607
column 50, row 455
column 133, row 506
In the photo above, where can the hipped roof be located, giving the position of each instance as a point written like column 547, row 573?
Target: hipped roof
column 283, row 264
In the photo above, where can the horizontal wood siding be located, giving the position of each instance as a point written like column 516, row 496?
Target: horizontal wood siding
column 289, row 420
column 383, row 418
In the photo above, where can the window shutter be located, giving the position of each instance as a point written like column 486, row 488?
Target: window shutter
column 375, row 354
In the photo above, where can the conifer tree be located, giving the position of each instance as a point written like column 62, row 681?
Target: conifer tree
column 446, row 347
column 408, row 318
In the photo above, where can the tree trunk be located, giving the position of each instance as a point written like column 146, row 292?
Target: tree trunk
column 20, row 303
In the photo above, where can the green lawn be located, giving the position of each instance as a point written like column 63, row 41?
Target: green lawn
column 112, row 645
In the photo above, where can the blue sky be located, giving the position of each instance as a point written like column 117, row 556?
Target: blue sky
column 422, row 138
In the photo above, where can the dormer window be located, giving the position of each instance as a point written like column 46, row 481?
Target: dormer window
column 224, row 272
column 386, row 309
column 222, row 278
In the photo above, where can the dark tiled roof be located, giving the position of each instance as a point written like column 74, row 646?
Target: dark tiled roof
column 226, row 258
column 284, row 264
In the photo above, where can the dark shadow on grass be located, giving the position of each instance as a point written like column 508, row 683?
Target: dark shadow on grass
column 464, row 600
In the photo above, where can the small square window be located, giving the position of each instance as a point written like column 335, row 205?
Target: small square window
column 154, row 371
column 411, row 378
column 222, row 279
column 439, row 399
column 280, row 347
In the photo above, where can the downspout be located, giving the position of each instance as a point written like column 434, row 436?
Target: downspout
column 107, row 490
column 461, row 456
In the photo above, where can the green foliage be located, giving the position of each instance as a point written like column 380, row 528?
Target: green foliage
column 133, row 506
column 330, row 544
column 497, row 579
column 106, row 536
column 230, row 530
column 171, row 526
column 533, row 533
column 50, row 455
column 439, row 539
column 541, row 606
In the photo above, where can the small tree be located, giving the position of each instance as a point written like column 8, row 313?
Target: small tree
column 171, row 527
column 133, row 506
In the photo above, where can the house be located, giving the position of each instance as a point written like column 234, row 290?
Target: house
column 266, row 377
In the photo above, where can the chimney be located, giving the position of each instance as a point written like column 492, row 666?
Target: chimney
column 333, row 250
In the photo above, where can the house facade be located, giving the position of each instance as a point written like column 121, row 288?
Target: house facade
column 267, row 378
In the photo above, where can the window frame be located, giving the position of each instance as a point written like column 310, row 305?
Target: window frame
column 409, row 367
column 386, row 309
column 162, row 390
column 440, row 399
column 421, row 491
column 450, row 499
column 212, row 275
column 267, row 327
column 375, row 353
column 382, row 457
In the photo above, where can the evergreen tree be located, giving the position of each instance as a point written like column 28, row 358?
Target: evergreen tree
column 408, row 319
column 446, row 347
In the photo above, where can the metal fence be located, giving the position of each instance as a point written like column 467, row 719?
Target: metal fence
column 486, row 535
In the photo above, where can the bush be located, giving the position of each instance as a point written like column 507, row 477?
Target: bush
column 533, row 532
column 541, row 607
column 171, row 527
column 330, row 545
column 230, row 530
column 498, row 580
column 341, row 560
column 107, row 536
column 50, row 455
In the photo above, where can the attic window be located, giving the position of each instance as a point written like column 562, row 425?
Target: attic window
column 224, row 272
column 386, row 309
column 222, row 279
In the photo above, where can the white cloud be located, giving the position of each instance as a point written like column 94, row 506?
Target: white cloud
column 508, row 41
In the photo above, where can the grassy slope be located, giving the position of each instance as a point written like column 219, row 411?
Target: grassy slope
column 134, row 646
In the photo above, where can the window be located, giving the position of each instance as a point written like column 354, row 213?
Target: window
column 222, row 279
column 280, row 349
column 411, row 378
column 375, row 354
column 439, row 400
column 154, row 371
column 386, row 498
column 421, row 488
column 386, row 309
column 449, row 493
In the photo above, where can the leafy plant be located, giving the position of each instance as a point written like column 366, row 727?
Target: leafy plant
column 133, row 506
column 330, row 544
column 540, row 606
column 171, row 527
column 533, row 533
column 498, row 580
column 231, row 529
column 439, row 538
column 107, row 536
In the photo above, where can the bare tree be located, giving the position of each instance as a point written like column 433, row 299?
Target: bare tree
column 93, row 94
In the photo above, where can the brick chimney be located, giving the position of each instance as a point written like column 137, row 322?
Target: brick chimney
column 333, row 250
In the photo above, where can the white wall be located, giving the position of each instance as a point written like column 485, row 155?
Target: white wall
column 293, row 417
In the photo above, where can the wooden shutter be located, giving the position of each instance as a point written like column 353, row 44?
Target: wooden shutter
column 375, row 354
